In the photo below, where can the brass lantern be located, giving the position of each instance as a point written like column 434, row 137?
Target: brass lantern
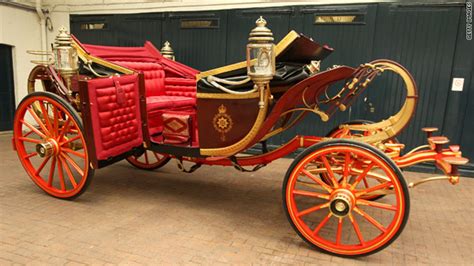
column 261, row 54
column 65, row 55
column 167, row 51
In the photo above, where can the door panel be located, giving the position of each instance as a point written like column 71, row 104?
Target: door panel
column 198, row 38
column 7, row 98
column 423, row 40
column 241, row 22
column 135, row 29
column 112, row 115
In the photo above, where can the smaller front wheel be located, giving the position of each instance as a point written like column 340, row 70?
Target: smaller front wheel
column 149, row 160
column 336, row 216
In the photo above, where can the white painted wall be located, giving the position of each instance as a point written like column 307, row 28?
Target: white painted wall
column 20, row 28
column 139, row 6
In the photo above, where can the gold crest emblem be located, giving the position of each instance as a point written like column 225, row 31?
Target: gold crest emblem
column 222, row 121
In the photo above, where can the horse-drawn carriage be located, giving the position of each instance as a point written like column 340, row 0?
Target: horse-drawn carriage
column 344, row 193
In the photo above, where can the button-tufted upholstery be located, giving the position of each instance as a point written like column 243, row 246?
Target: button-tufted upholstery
column 169, row 85
column 115, row 115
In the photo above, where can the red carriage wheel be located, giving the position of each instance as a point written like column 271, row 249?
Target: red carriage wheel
column 49, row 140
column 336, row 217
column 338, row 132
column 149, row 160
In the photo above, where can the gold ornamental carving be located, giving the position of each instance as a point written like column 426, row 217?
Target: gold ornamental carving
column 222, row 122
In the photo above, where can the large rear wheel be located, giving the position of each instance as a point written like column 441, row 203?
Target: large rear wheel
column 336, row 217
column 48, row 137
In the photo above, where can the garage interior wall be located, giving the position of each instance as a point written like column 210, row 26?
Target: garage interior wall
column 20, row 29
column 427, row 38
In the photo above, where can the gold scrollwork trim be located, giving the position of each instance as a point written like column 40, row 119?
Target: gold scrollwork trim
column 390, row 127
column 241, row 144
column 201, row 95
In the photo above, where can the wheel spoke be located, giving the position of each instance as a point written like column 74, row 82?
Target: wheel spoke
column 330, row 172
column 362, row 176
column 46, row 117
column 377, row 204
column 317, row 180
column 69, row 173
column 29, row 133
column 311, row 194
column 339, row 231
column 70, row 140
column 312, row 209
column 30, row 140
column 60, row 173
column 355, row 225
column 374, row 188
column 51, row 172
column 38, row 120
column 82, row 155
column 322, row 224
column 45, row 161
column 64, row 129
column 146, row 158
column 56, row 118
column 30, row 155
column 39, row 133
column 370, row 219
column 346, row 169
column 73, row 163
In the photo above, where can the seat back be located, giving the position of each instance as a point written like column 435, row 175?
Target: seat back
column 154, row 76
column 180, row 87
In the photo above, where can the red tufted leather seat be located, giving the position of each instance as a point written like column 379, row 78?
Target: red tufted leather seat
column 170, row 86
column 161, row 92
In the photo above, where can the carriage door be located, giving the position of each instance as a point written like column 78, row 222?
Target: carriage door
column 112, row 117
column 7, row 98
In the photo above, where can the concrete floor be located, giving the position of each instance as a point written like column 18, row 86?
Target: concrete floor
column 213, row 216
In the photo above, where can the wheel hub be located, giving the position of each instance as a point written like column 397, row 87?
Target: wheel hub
column 47, row 148
column 341, row 203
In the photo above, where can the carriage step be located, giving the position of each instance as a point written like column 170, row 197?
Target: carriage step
column 437, row 143
column 439, row 140
column 455, row 160
column 429, row 131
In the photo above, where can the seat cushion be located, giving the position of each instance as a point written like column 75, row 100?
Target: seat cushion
column 167, row 102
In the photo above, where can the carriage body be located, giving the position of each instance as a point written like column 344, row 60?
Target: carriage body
column 132, row 103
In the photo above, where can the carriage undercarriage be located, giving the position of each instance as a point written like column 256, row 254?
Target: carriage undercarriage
column 104, row 112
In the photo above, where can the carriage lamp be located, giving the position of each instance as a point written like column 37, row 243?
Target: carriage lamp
column 261, row 56
column 167, row 51
column 66, row 58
